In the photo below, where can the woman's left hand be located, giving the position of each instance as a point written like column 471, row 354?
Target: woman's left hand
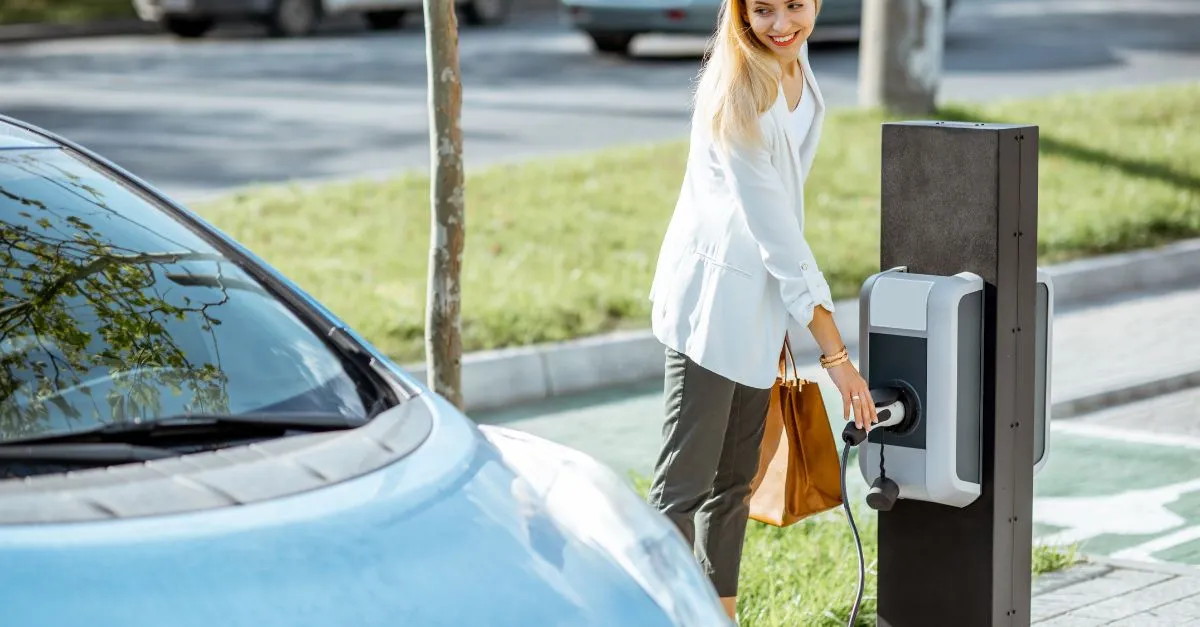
column 856, row 395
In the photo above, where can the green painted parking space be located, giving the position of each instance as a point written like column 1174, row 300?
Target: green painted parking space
column 1119, row 493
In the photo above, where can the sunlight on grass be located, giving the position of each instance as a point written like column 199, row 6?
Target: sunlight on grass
column 564, row 247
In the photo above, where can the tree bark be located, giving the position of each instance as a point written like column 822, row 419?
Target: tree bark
column 443, row 341
column 900, row 54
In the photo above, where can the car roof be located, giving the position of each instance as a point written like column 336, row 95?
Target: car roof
column 13, row 135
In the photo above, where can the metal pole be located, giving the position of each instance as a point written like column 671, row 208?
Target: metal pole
column 963, row 197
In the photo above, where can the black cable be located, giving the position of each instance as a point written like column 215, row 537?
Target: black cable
column 882, row 472
column 862, row 569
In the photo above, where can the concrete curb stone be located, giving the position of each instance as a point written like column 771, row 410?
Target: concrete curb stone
column 512, row 376
column 1166, row 568
column 1158, row 385
column 1089, row 567
column 1079, row 572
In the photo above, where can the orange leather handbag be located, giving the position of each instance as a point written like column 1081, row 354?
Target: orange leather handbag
column 799, row 469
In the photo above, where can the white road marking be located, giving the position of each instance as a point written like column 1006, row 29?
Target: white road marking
column 1145, row 552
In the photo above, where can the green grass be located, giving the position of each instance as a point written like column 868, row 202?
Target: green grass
column 807, row 574
column 26, row 11
column 561, row 248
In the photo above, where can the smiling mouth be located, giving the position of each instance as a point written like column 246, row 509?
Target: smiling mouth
column 785, row 40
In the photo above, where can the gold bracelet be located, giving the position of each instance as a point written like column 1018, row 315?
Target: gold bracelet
column 836, row 356
column 843, row 357
column 835, row 362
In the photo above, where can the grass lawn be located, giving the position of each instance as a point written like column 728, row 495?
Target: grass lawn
column 23, row 11
column 807, row 574
column 561, row 248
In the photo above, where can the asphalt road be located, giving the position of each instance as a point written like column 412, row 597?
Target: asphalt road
column 200, row 117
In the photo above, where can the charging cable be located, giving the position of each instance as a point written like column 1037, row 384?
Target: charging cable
column 862, row 568
column 889, row 410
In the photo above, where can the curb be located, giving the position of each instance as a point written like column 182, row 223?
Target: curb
column 41, row 31
column 1132, row 393
column 1162, row 268
column 1166, row 568
column 1090, row 567
column 1081, row 571
column 513, row 376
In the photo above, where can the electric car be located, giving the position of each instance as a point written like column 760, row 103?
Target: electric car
column 296, row 18
column 187, row 439
column 612, row 25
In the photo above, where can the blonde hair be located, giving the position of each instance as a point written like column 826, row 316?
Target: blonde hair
column 740, row 78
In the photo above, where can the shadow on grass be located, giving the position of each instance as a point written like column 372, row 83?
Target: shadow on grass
column 1049, row 145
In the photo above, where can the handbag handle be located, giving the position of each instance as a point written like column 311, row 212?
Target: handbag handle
column 783, row 358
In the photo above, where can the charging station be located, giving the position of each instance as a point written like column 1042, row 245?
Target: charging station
column 956, row 345
column 921, row 352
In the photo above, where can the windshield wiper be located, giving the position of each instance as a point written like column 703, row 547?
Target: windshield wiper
column 199, row 424
column 83, row 453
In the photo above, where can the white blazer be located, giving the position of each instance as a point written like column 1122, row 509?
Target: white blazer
column 734, row 272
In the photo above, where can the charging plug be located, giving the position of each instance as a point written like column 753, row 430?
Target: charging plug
column 889, row 409
column 889, row 414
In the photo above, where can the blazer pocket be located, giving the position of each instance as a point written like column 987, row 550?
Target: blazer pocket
column 721, row 264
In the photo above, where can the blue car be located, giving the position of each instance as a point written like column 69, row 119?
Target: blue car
column 189, row 440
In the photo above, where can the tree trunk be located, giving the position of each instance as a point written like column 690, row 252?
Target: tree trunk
column 900, row 54
column 443, row 341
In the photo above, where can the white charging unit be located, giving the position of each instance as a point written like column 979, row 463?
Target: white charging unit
column 924, row 336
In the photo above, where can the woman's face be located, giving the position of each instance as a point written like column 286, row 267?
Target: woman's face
column 782, row 25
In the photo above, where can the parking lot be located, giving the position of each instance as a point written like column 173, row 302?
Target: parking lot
column 199, row 117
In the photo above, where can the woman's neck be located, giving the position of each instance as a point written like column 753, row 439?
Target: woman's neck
column 790, row 68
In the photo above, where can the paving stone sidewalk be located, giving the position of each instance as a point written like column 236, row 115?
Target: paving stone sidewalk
column 1129, row 595
column 1125, row 339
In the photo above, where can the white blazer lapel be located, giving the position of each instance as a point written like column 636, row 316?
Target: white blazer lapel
column 810, row 79
column 781, row 113
column 808, row 151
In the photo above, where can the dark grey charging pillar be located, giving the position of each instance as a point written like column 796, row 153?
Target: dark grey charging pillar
column 963, row 197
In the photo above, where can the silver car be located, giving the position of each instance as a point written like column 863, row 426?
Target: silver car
column 296, row 18
column 613, row 24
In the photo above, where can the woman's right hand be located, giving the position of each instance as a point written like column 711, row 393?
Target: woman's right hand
column 856, row 395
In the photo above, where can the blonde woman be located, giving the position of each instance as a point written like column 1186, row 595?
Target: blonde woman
column 735, row 276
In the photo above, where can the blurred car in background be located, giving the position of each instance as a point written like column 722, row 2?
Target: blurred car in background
column 296, row 18
column 613, row 24
column 187, row 439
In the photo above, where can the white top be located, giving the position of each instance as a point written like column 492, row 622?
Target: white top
column 802, row 118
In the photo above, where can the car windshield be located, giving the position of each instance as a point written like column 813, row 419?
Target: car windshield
column 115, row 310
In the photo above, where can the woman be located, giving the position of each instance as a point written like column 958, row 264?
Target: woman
column 735, row 276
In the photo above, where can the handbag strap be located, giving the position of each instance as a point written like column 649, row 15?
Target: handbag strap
column 784, row 356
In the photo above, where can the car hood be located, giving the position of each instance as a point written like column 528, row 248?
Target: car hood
column 434, row 539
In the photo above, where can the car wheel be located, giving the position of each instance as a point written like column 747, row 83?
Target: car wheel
column 188, row 27
column 293, row 18
column 384, row 20
column 487, row 12
column 613, row 43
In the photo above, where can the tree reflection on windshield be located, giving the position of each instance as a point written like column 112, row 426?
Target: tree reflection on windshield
column 76, row 306
column 115, row 310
